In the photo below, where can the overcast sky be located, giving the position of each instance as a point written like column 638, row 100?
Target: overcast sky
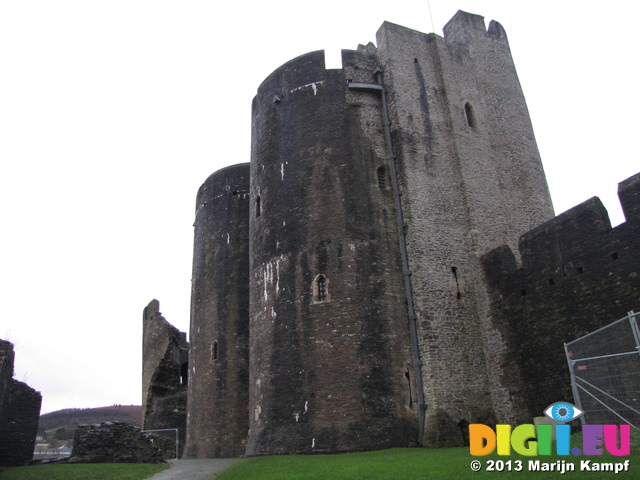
column 113, row 113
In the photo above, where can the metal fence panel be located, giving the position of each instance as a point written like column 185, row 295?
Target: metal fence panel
column 605, row 373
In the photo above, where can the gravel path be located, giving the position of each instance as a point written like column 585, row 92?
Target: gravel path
column 194, row 469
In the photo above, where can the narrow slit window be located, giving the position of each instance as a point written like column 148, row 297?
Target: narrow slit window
column 214, row 351
column 454, row 271
column 407, row 375
column 382, row 178
column 258, row 206
column 184, row 374
column 468, row 112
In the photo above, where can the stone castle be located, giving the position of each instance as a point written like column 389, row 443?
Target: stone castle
column 387, row 269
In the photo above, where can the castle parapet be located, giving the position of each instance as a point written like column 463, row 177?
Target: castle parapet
column 463, row 25
column 565, row 235
column 578, row 274
column 574, row 233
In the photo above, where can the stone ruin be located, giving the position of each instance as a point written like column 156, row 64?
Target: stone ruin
column 164, row 377
column 113, row 442
column 19, row 413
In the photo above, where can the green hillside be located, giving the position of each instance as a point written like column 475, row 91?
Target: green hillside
column 70, row 418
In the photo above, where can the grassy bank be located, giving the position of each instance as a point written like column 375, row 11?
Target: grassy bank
column 410, row 464
column 82, row 471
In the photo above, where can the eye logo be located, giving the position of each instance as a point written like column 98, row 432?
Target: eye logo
column 563, row 412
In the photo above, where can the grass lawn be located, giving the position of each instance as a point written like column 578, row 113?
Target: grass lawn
column 82, row 471
column 408, row 464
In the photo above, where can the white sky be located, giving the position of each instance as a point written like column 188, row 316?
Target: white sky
column 113, row 113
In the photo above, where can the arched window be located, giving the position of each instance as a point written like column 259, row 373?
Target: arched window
column 382, row 178
column 320, row 289
column 468, row 112
column 258, row 206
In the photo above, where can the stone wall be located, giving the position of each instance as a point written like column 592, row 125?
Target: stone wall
column 577, row 275
column 165, row 366
column 19, row 413
column 113, row 442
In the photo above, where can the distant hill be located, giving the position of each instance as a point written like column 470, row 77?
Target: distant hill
column 70, row 418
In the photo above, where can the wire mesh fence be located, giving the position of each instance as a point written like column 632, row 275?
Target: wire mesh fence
column 605, row 373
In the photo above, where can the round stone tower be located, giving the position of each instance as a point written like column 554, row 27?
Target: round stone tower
column 330, row 348
column 217, row 420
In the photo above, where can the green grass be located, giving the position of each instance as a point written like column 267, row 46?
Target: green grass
column 406, row 464
column 393, row 464
column 82, row 471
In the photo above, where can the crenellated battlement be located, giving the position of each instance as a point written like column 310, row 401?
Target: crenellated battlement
column 577, row 274
column 629, row 194
column 464, row 25
column 571, row 235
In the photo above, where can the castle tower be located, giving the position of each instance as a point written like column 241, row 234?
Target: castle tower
column 471, row 179
column 329, row 340
column 354, row 262
column 217, row 418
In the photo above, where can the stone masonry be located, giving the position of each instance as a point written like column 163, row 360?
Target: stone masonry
column 113, row 442
column 577, row 275
column 375, row 276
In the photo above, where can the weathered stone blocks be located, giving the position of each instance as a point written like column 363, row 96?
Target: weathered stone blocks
column 113, row 442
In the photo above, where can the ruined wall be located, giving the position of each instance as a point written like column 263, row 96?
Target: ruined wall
column 113, row 442
column 7, row 357
column 471, row 179
column 19, row 412
column 329, row 344
column 218, row 418
column 578, row 274
column 165, row 354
